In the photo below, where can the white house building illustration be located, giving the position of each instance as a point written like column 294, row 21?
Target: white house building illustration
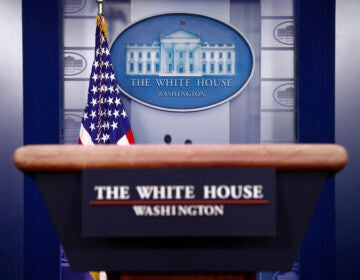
column 180, row 53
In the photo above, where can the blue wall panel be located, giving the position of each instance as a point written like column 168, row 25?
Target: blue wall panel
column 42, row 93
column 316, row 116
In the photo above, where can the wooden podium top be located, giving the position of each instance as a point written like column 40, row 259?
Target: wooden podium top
column 74, row 158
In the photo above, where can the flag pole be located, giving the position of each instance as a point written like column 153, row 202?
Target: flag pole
column 100, row 7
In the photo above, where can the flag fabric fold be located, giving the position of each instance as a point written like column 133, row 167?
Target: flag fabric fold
column 105, row 120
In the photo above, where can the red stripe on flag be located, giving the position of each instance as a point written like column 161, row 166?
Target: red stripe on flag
column 130, row 137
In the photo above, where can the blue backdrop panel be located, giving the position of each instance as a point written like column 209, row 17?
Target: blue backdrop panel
column 42, row 93
column 316, row 110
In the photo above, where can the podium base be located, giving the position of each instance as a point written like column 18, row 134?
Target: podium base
column 237, row 276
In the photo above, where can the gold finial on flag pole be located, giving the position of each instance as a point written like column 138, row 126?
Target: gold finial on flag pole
column 100, row 7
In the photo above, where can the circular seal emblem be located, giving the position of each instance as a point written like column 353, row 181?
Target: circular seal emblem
column 182, row 62
column 74, row 63
column 284, row 33
column 285, row 95
column 73, row 6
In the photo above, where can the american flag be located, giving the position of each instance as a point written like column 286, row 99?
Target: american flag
column 105, row 120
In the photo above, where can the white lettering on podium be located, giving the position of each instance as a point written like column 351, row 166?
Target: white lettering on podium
column 166, row 192
column 233, row 192
column 112, row 192
column 179, row 210
column 182, row 196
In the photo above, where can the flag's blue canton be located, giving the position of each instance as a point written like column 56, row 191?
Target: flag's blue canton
column 105, row 119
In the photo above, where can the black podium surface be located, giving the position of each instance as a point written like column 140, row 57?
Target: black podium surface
column 299, row 173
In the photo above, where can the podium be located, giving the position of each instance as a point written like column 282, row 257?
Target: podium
column 261, row 229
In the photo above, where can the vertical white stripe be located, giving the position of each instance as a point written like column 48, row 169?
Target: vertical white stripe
column 209, row 126
column 123, row 141
column 85, row 137
column 102, row 275
column 11, row 125
column 212, row 8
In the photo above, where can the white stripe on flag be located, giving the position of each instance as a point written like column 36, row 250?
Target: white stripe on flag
column 85, row 137
column 123, row 141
